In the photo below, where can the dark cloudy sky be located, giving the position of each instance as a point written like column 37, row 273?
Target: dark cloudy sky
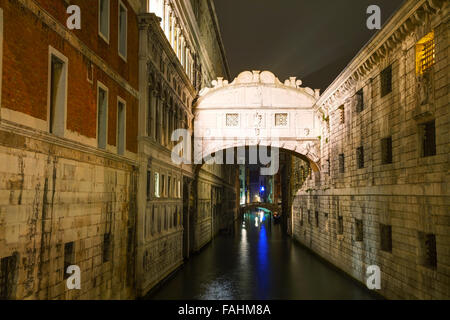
column 311, row 39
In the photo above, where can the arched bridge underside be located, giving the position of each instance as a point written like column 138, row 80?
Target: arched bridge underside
column 255, row 205
column 256, row 109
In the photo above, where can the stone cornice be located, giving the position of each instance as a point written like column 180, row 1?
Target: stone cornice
column 189, row 23
column 401, row 24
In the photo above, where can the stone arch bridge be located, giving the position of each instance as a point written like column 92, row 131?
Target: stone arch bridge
column 274, row 208
column 257, row 109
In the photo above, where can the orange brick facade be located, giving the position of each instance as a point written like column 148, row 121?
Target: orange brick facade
column 25, row 61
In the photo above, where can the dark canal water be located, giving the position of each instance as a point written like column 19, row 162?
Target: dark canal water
column 258, row 262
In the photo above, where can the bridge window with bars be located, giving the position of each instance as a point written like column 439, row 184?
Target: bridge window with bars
column 425, row 53
column 281, row 120
column 232, row 120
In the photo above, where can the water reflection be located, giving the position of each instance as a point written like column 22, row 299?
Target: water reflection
column 258, row 262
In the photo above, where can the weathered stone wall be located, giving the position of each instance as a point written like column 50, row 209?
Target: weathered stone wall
column 51, row 195
column 63, row 201
column 341, row 215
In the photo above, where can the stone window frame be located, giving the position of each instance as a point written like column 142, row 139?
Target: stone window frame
column 103, row 87
column 425, row 150
column 359, row 230
column 427, row 250
column 386, row 150
column 120, row 6
column 238, row 120
column 286, row 120
column 69, row 257
column 124, row 103
column 54, row 53
column 108, row 15
column 341, row 160
column 107, row 247
column 386, row 76
column 359, row 95
column 157, row 184
column 420, row 46
column 360, row 163
column 8, row 276
column 385, row 237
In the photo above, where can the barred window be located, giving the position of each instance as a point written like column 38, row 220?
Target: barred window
column 232, row 120
column 359, row 230
column 317, row 218
column 386, row 150
column 360, row 101
column 386, row 81
column 385, row 238
column 342, row 114
column 427, row 248
column 340, row 229
column 360, row 157
column 428, row 131
column 425, row 53
column 281, row 119
column 341, row 163
column 8, row 270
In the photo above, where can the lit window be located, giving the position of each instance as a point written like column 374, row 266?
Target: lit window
column 157, row 190
column 425, row 53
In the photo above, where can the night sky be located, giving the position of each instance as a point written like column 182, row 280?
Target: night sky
column 310, row 39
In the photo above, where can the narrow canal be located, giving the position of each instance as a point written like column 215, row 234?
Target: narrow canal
column 258, row 262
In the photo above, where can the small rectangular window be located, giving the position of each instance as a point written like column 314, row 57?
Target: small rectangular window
column 169, row 185
column 428, row 131
column 102, row 117
column 359, row 230
column 317, row 218
column 360, row 157
column 163, row 185
column 149, row 181
column 107, row 247
column 69, row 257
column 360, row 101
column 342, row 114
column 386, row 150
column 309, row 216
column 340, row 229
column 8, row 271
column 157, row 189
column 103, row 19
column 121, row 129
column 58, row 95
column 385, row 237
column 427, row 250
column 232, row 120
column 425, row 53
column 386, row 81
column 281, row 119
column 123, row 30
column 341, row 163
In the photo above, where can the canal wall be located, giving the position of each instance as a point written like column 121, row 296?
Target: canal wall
column 381, row 196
